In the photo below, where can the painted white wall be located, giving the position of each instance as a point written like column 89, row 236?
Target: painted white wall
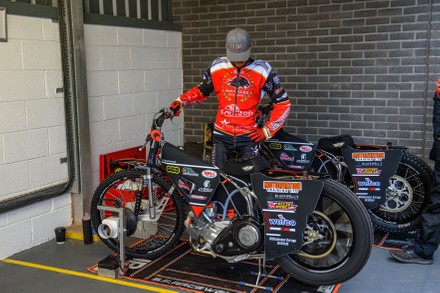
column 131, row 73
column 32, row 132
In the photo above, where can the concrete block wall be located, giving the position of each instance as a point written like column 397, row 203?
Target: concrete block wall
column 365, row 68
column 32, row 132
column 131, row 74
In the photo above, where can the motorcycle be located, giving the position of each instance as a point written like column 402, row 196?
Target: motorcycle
column 391, row 182
column 312, row 226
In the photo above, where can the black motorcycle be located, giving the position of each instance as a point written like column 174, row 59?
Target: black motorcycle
column 392, row 183
column 315, row 228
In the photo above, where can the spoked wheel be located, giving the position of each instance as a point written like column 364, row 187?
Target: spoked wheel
column 153, row 235
column 407, row 196
column 337, row 240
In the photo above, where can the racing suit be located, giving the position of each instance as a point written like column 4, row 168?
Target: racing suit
column 239, row 91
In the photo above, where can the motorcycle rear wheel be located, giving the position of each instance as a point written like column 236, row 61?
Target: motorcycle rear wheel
column 344, row 250
column 407, row 196
column 152, row 238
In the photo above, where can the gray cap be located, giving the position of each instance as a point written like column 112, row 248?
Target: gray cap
column 238, row 45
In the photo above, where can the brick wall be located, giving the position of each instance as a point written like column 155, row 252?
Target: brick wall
column 349, row 66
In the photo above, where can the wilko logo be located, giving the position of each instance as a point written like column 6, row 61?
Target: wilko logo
column 209, row 174
column 281, row 221
column 173, row 169
column 369, row 171
column 305, row 148
column 282, row 205
column 286, row 157
column 282, row 187
column 362, row 157
column 275, row 146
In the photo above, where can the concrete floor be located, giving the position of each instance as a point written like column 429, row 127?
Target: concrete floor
column 53, row 267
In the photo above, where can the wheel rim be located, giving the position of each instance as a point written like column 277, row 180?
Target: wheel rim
column 334, row 248
column 405, row 197
column 150, row 235
column 399, row 195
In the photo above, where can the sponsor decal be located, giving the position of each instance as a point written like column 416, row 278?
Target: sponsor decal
column 173, row 169
column 183, row 185
column 282, row 229
column 209, row 174
column 232, row 110
column 281, row 221
column 296, row 167
column 371, row 164
column 206, row 187
column 303, row 159
column 289, row 147
column 282, row 205
column 189, row 172
column 286, row 196
column 367, row 156
column 280, row 121
column 168, row 162
column 198, row 197
column 285, row 157
column 373, row 171
column 282, row 186
column 368, row 182
column 305, row 148
column 275, row 146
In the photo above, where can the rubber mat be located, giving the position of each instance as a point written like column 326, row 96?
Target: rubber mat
column 389, row 240
column 184, row 269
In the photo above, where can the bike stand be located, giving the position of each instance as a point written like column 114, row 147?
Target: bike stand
column 261, row 273
column 112, row 266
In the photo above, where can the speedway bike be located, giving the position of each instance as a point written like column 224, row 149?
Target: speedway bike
column 314, row 227
column 391, row 182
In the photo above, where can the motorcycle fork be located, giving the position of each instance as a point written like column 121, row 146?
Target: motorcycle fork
column 152, row 203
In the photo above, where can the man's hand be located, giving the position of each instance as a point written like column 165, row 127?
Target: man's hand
column 174, row 108
column 257, row 135
column 435, row 151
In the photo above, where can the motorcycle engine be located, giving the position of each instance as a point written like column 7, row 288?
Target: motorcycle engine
column 225, row 238
column 242, row 235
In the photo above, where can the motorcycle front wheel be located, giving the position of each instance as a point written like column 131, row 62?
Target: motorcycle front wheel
column 337, row 240
column 151, row 236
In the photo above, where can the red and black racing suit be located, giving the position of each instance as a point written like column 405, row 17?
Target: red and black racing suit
column 239, row 91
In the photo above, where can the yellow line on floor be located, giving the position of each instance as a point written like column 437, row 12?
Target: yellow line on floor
column 84, row 275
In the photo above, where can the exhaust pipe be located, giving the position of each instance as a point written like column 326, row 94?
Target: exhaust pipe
column 109, row 228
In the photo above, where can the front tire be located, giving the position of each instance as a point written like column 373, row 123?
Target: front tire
column 151, row 238
column 344, row 243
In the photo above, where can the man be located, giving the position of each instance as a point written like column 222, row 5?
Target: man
column 422, row 251
column 240, row 83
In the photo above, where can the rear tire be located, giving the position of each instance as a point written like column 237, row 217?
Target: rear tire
column 152, row 238
column 407, row 198
column 344, row 250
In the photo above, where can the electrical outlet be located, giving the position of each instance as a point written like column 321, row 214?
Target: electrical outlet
column 3, row 31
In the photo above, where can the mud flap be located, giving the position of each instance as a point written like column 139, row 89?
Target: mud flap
column 371, row 171
column 285, row 205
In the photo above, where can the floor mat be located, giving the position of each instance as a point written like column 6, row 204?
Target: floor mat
column 184, row 269
column 388, row 240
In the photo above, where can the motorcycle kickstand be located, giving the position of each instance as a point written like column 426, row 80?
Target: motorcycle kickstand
column 261, row 273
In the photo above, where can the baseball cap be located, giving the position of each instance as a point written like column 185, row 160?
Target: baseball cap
column 238, row 45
